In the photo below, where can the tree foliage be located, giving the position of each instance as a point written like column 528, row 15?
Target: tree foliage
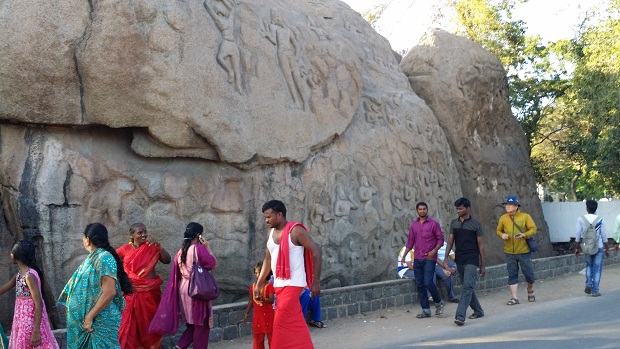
column 569, row 116
column 592, row 101
column 372, row 15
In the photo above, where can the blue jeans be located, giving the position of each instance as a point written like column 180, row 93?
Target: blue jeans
column 594, row 269
column 313, row 303
column 513, row 261
column 447, row 280
column 425, row 280
column 468, row 275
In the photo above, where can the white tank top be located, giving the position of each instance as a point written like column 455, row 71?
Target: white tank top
column 298, row 270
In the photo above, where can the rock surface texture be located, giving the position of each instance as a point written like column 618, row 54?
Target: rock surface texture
column 170, row 112
column 466, row 88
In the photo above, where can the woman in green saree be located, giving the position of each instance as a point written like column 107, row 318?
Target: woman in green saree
column 93, row 294
column 4, row 342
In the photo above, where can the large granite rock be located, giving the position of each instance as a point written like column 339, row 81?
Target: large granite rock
column 166, row 113
column 207, row 79
column 467, row 89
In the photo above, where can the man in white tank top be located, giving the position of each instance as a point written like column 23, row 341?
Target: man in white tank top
column 295, row 260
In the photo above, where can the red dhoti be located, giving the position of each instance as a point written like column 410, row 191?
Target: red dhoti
column 289, row 325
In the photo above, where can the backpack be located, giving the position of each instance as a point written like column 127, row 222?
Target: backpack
column 589, row 241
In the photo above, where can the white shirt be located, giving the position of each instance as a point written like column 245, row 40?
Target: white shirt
column 298, row 268
column 601, row 232
column 402, row 267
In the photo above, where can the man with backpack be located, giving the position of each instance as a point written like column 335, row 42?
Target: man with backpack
column 591, row 241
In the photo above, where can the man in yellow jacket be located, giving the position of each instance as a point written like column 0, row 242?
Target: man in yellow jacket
column 514, row 227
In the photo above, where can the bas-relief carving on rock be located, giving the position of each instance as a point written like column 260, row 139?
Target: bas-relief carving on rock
column 200, row 75
column 466, row 87
column 209, row 109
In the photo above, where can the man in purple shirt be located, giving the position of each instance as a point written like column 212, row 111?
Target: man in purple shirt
column 426, row 238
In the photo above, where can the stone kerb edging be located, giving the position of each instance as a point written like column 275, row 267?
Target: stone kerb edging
column 352, row 300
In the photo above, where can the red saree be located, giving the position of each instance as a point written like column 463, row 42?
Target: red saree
column 142, row 304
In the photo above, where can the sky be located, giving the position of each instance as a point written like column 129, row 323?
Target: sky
column 404, row 21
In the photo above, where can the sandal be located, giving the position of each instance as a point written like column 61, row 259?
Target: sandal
column 422, row 315
column 530, row 296
column 317, row 324
column 438, row 311
column 512, row 301
column 475, row 316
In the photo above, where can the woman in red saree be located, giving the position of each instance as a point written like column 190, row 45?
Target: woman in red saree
column 140, row 256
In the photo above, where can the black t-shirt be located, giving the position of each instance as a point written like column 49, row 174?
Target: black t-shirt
column 465, row 240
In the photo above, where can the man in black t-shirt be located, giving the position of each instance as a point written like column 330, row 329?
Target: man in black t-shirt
column 466, row 236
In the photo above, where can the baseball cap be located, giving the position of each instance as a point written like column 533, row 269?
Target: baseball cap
column 511, row 200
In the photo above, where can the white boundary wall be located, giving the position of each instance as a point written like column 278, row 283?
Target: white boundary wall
column 561, row 217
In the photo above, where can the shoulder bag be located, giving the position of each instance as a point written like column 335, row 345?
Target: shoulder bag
column 531, row 242
column 202, row 284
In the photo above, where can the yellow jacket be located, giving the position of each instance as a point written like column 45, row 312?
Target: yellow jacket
column 505, row 226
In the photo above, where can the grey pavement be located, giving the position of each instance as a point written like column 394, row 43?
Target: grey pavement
column 563, row 316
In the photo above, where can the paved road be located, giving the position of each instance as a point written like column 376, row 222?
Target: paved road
column 580, row 322
column 563, row 317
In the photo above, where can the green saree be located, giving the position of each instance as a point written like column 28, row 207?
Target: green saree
column 80, row 295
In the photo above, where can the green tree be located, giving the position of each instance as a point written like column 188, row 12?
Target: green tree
column 535, row 77
column 570, row 120
column 593, row 99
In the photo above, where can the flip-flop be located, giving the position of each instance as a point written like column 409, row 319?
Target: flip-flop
column 512, row 301
column 475, row 316
column 530, row 296
column 317, row 324
column 422, row 315
column 438, row 311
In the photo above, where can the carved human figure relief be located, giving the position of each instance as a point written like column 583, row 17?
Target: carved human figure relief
column 342, row 208
column 372, row 107
column 396, row 195
column 390, row 113
column 343, row 204
column 288, row 53
column 316, row 29
column 319, row 215
column 228, row 56
column 366, row 191
column 370, row 220
column 410, row 191
column 349, row 89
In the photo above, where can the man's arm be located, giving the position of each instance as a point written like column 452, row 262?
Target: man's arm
column 482, row 257
column 500, row 229
column 439, row 236
column 604, row 237
column 579, row 230
column 262, row 278
column 449, row 246
column 530, row 227
column 300, row 236
column 617, row 231
column 446, row 267
column 410, row 243
column 402, row 260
